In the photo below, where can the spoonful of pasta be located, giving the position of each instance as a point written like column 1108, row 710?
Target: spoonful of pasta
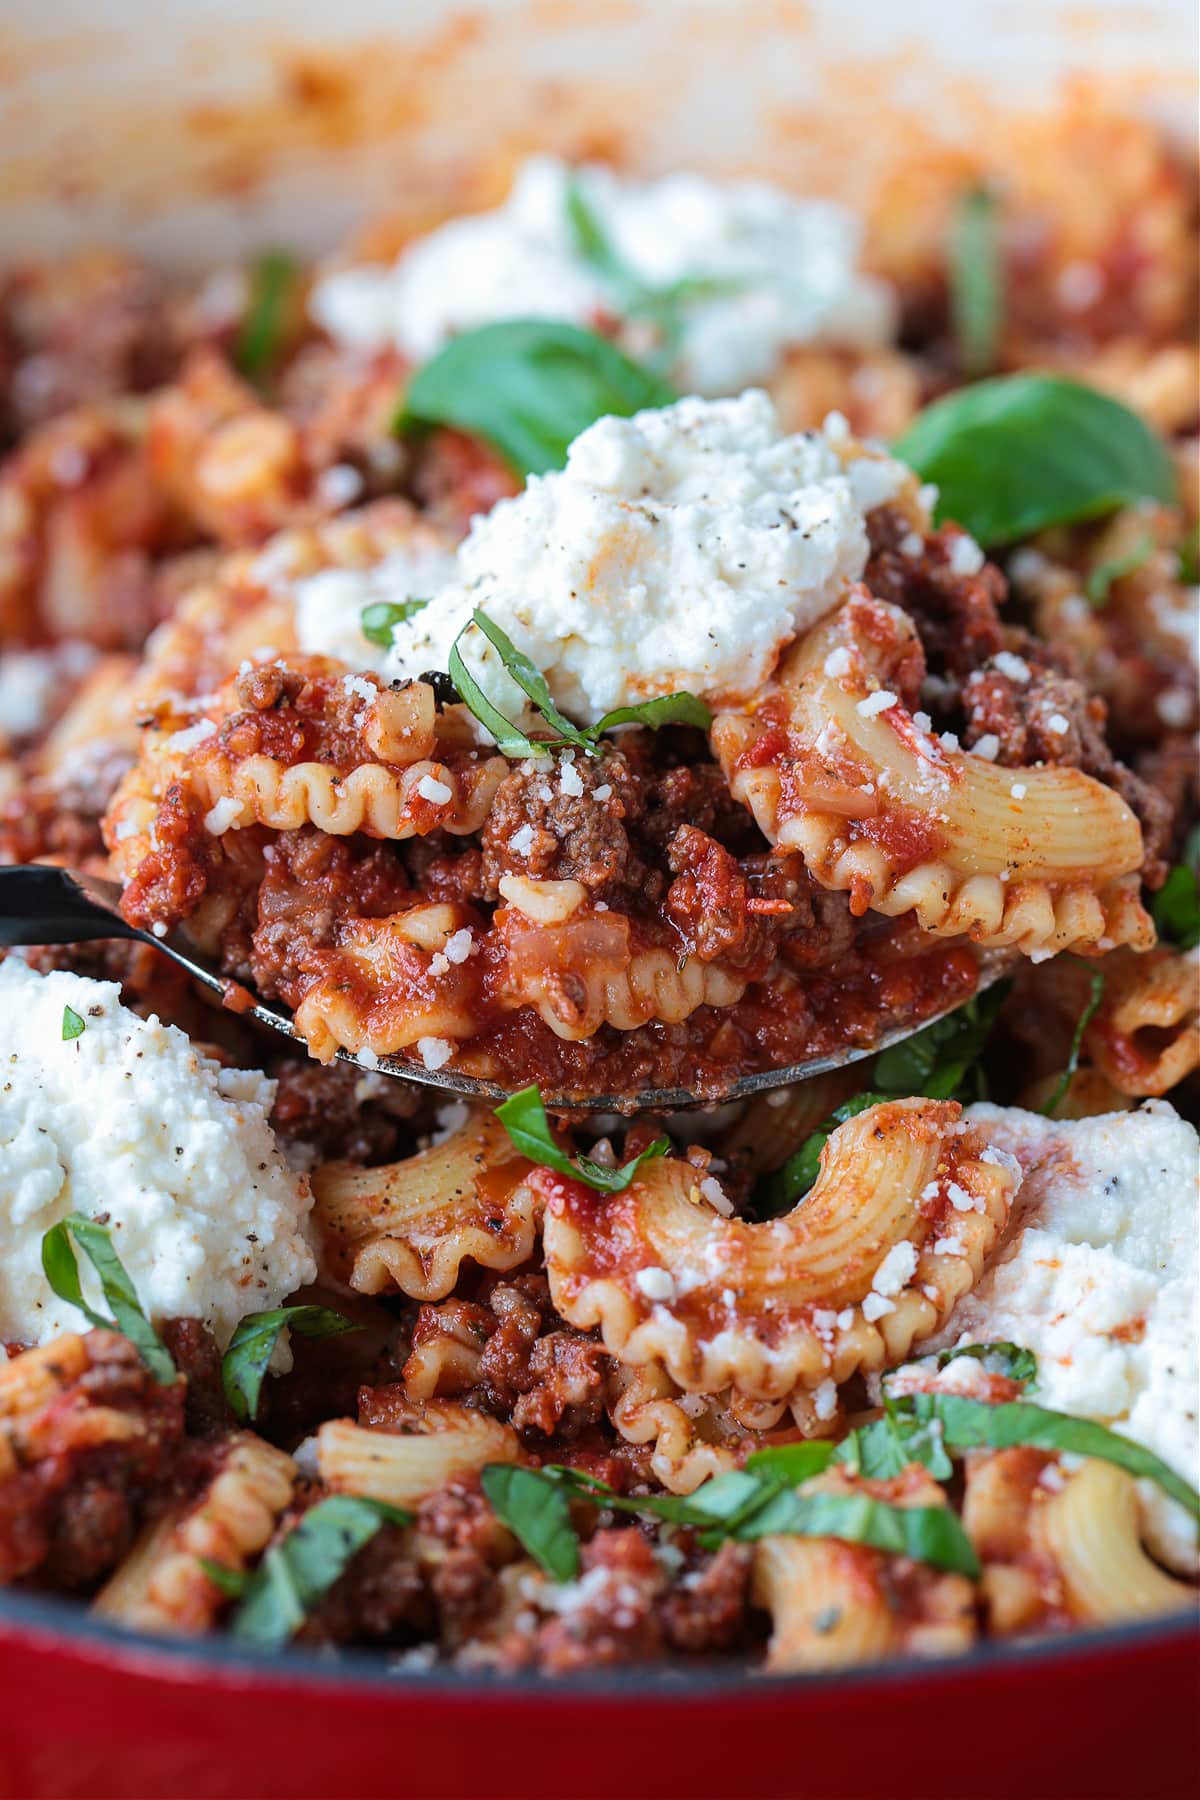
column 44, row 905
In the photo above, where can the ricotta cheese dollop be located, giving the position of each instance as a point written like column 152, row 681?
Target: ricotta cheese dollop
column 772, row 270
column 128, row 1124
column 1098, row 1277
column 678, row 549
column 329, row 605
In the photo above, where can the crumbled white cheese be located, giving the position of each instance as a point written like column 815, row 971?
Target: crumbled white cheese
column 1080, row 285
column 839, row 662
column 521, row 841
column 1018, row 790
column 340, row 485
column 434, row 1051
column 1015, row 667
column 329, row 605
column 825, row 1399
column 603, row 792
column 359, row 688
column 1058, row 723
column 987, row 748
column 877, row 703
column 570, row 782
column 459, row 945
column 1174, row 708
column 192, row 736
column 966, row 558
column 128, row 1124
column 221, row 815
column 783, row 270
column 717, row 1198
column 656, row 1284
column 875, row 1306
column 1098, row 1277
column 682, row 548
column 438, row 793
column 896, row 1270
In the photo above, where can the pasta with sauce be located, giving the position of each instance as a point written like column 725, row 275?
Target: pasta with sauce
column 597, row 751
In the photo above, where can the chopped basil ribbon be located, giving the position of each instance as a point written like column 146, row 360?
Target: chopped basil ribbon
column 976, row 281
column 524, row 1118
column 260, row 340
column 974, row 1424
column 929, row 1534
column 778, row 1192
column 62, row 1272
column 669, row 709
column 665, row 307
column 935, row 1061
column 758, row 1501
column 1000, row 1357
column 379, row 620
column 1176, row 906
column 1096, row 995
column 529, row 387
column 244, row 1364
column 1116, row 568
column 1015, row 454
column 295, row 1573
column 72, row 1025
column 1189, row 558
column 232, row 1582
column 538, row 1513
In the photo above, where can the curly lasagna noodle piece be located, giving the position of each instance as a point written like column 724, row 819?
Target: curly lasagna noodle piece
column 424, row 1445
column 163, row 1585
column 410, row 1226
column 894, row 1232
column 832, row 763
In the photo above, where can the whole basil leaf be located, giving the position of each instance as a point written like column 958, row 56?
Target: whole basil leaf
column 538, row 1513
column 976, row 281
column 62, row 1272
column 294, row 1574
column 244, row 1364
column 523, row 1116
column 1015, row 454
column 529, row 387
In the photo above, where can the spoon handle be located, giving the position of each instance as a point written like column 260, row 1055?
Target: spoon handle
column 42, row 905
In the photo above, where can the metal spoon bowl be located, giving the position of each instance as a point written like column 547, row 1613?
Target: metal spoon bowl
column 46, row 905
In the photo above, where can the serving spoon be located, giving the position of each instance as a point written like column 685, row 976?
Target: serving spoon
column 40, row 904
